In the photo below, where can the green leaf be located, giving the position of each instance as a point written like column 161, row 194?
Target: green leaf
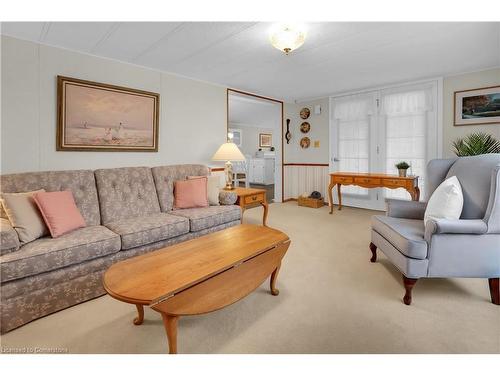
column 476, row 144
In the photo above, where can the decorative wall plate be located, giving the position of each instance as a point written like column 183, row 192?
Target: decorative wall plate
column 305, row 127
column 305, row 113
column 305, row 142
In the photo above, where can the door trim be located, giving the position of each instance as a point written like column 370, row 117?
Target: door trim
column 228, row 90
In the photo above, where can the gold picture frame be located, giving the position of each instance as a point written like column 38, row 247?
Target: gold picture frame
column 93, row 116
column 265, row 140
column 479, row 106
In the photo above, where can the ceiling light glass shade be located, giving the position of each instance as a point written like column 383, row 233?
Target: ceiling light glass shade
column 286, row 37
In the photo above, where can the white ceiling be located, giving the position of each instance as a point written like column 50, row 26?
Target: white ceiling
column 250, row 111
column 336, row 56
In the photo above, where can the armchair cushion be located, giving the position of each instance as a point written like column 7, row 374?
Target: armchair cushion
column 446, row 202
column 405, row 209
column 474, row 174
column 459, row 226
column 406, row 235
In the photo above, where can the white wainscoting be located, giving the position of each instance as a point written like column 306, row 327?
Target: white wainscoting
column 305, row 178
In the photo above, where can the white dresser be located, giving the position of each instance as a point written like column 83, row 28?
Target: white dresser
column 261, row 171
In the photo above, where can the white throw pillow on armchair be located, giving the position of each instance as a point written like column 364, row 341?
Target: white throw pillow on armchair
column 446, row 202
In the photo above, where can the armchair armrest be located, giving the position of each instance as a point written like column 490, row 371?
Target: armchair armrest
column 9, row 240
column 405, row 209
column 227, row 197
column 441, row 226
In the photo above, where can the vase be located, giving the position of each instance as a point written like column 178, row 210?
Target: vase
column 402, row 172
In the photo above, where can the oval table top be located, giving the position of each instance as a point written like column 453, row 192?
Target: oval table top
column 148, row 279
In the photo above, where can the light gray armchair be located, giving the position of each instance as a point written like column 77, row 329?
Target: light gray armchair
column 467, row 247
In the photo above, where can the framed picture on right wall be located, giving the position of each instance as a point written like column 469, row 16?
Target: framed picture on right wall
column 477, row 106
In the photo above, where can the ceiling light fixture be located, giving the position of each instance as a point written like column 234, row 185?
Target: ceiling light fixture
column 287, row 37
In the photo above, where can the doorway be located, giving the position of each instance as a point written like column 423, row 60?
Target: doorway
column 254, row 124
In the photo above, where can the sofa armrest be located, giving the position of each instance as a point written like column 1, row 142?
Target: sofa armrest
column 405, row 209
column 9, row 240
column 227, row 197
column 442, row 226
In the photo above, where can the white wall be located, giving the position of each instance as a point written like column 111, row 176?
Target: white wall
column 250, row 137
column 464, row 82
column 319, row 132
column 192, row 113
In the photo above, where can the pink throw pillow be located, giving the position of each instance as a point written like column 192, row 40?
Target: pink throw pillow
column 59, row 212
column 191, row 193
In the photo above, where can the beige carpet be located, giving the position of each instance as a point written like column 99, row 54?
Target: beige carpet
column 332, row 300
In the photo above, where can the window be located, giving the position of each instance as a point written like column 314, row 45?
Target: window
column 353, row 128
column 406, row 118
column 372, row 131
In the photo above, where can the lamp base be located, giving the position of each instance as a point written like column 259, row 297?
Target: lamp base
column 228, row 170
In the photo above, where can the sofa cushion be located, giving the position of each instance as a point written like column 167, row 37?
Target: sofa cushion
column 406, row 235
column 125, row 193
column 207, row 217
column 165, row 177
column 24, row 215
column 9, row 240
column 191, row 193
column 213, row 188
column 59, row 212
column 48, row 254
column 143, row 230
column 80, row 182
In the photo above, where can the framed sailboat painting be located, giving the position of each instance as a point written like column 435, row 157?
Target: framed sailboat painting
column 95, row 116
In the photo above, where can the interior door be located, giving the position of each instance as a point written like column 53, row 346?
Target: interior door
column 354, row 145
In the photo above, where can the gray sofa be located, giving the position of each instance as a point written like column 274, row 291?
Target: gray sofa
column 128, row 212
column 467, row 247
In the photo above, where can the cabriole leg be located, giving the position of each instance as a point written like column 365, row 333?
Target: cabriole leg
column 408, row 283
column 373, row 248
column 495, row 290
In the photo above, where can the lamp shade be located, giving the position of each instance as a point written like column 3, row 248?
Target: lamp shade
column 228, row 151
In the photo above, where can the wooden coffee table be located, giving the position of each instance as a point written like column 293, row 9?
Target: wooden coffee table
column 199, row 276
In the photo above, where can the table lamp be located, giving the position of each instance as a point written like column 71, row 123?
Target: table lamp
column 227, row 152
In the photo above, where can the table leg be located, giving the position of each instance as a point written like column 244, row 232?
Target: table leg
column 417, row 193
column 274, row 277
column 340, row 196
column 330, row 198
column 140, row 315
column 170, row 324
column 242, row 210
column 266, row 209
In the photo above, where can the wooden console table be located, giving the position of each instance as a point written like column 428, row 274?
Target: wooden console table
column 371, row 180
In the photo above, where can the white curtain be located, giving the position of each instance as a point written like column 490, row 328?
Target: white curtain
column 352, row 107
column 404, row 103
column 352, row 114
column 406, row 131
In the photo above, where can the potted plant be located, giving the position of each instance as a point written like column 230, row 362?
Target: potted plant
column 402, row 167
column 476, row 144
